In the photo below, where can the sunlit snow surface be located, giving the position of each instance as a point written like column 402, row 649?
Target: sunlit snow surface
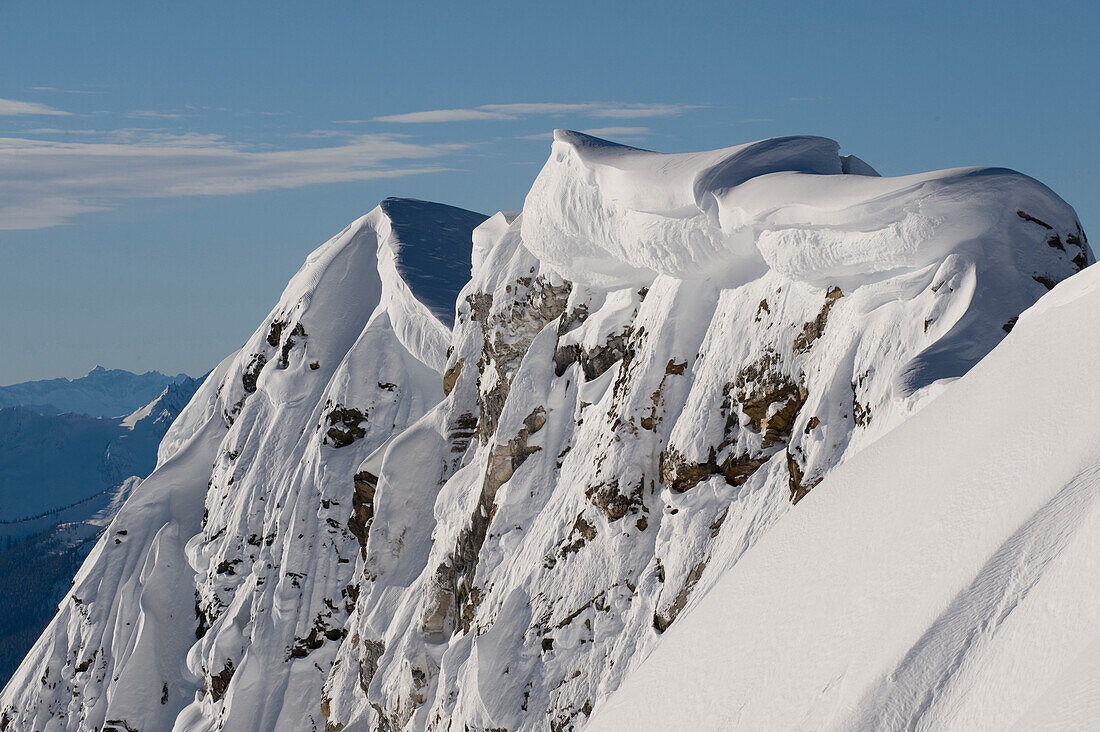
column 648, row 364
column 944, row 578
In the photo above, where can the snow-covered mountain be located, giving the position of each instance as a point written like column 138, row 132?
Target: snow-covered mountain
column 101, row 393
column 491, row 526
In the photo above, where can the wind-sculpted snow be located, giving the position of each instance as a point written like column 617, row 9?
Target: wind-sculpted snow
column 613, row 215
column 490, row 528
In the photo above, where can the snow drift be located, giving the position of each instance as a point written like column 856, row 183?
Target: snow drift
column 650, row 365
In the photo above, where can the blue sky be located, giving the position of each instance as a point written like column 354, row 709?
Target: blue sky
column 166, row 167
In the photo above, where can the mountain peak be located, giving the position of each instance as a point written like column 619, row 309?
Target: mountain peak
column 433, row 250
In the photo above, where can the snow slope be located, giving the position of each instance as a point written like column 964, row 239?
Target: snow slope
column 944, row 578
column 651, row 367
column 100, row 393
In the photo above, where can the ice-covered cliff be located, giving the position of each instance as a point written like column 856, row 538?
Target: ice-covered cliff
column 490, row 528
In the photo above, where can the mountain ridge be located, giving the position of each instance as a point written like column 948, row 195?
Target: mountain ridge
column 101, row 392
column 410, row 526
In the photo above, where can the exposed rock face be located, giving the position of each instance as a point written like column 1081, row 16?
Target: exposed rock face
column 362, row 507
column 643, row 376
column 456, row 597
column 345, row 426
column 812, row 330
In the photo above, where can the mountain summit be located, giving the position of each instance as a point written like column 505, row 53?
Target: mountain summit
column 369, row 519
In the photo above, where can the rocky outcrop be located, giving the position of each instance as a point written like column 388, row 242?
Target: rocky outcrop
column 508, row 329
column 362, row 505
column 456, row 595
column 345, row 426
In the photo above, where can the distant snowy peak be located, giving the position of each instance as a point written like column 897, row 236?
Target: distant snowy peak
column 49, row 461
column 167, row 406
column 101, row 393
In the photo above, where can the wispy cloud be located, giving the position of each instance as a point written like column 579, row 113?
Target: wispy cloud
column 11, row 107
column 47, row 182
column 607, row 132
column 155, row 114
column 609, row 110
column 66, row 91
column 127, row 135
column 618, row 131
column 321, row 134
column 443, row 115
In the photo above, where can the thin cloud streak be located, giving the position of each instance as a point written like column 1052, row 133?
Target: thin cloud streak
column 618, row 131
column 608, row 110
column 443, row 115
column 12, row 107
column 45, row 183
column 65, row 91
column 155, row 114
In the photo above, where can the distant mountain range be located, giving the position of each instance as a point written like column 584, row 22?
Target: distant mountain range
column 101, row 393
column 68, row 458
